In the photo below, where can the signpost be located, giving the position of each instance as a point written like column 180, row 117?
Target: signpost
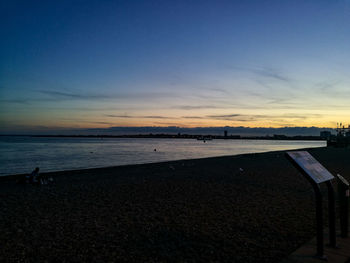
column 316, row 174
column 343, row 196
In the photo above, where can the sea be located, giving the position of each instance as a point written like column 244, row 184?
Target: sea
column 21, row 154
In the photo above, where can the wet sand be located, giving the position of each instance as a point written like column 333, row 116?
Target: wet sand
column 203, row 210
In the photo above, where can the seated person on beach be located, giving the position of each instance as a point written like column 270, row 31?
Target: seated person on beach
column 33, row 177
column 36, row 178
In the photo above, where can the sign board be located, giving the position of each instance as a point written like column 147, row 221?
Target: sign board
column 311, row 166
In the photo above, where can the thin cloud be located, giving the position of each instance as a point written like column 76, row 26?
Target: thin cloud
column 192, row 117
column 227, row 117
column 15, row 101
column 174, row 124
column 196, row 107
column 211, row 90
column 86, row 121
column 132, row 95
column 58, row 96
column 67, row 95
column 223, row 91
column 244, row 120
column 284, row 116
column 265, row 72
column 327, row 85
column 270, row 73
column 139, row 117
column 119, row 116
column 257, row 117
column 170, row 124
column 224, row 116
column 333, row 89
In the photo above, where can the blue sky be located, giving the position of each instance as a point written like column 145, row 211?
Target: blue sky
column 86, row 64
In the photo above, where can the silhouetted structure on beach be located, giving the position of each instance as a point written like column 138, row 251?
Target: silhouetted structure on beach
column 342, row 139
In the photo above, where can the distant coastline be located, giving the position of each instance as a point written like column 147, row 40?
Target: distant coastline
column 182, row 136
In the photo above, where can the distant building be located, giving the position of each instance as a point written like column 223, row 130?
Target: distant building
column 325, row 135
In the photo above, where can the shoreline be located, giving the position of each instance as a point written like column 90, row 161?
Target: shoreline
column 9, row 176
column 242, row 208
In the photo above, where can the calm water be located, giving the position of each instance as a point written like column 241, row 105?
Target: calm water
column 22, row 154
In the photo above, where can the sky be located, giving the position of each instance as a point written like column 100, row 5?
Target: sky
column 100, row 64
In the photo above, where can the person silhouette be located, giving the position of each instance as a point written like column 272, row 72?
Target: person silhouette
column 35, row 175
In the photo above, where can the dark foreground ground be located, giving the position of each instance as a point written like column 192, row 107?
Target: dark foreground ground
column 204, row 210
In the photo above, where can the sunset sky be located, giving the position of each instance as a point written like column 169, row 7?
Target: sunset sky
column 87, row 64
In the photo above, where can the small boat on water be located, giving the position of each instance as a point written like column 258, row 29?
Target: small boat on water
column 204, row 138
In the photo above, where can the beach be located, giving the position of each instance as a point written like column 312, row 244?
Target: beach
column 244, row 208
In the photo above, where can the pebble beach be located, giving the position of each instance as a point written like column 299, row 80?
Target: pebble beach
column 244, row 208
